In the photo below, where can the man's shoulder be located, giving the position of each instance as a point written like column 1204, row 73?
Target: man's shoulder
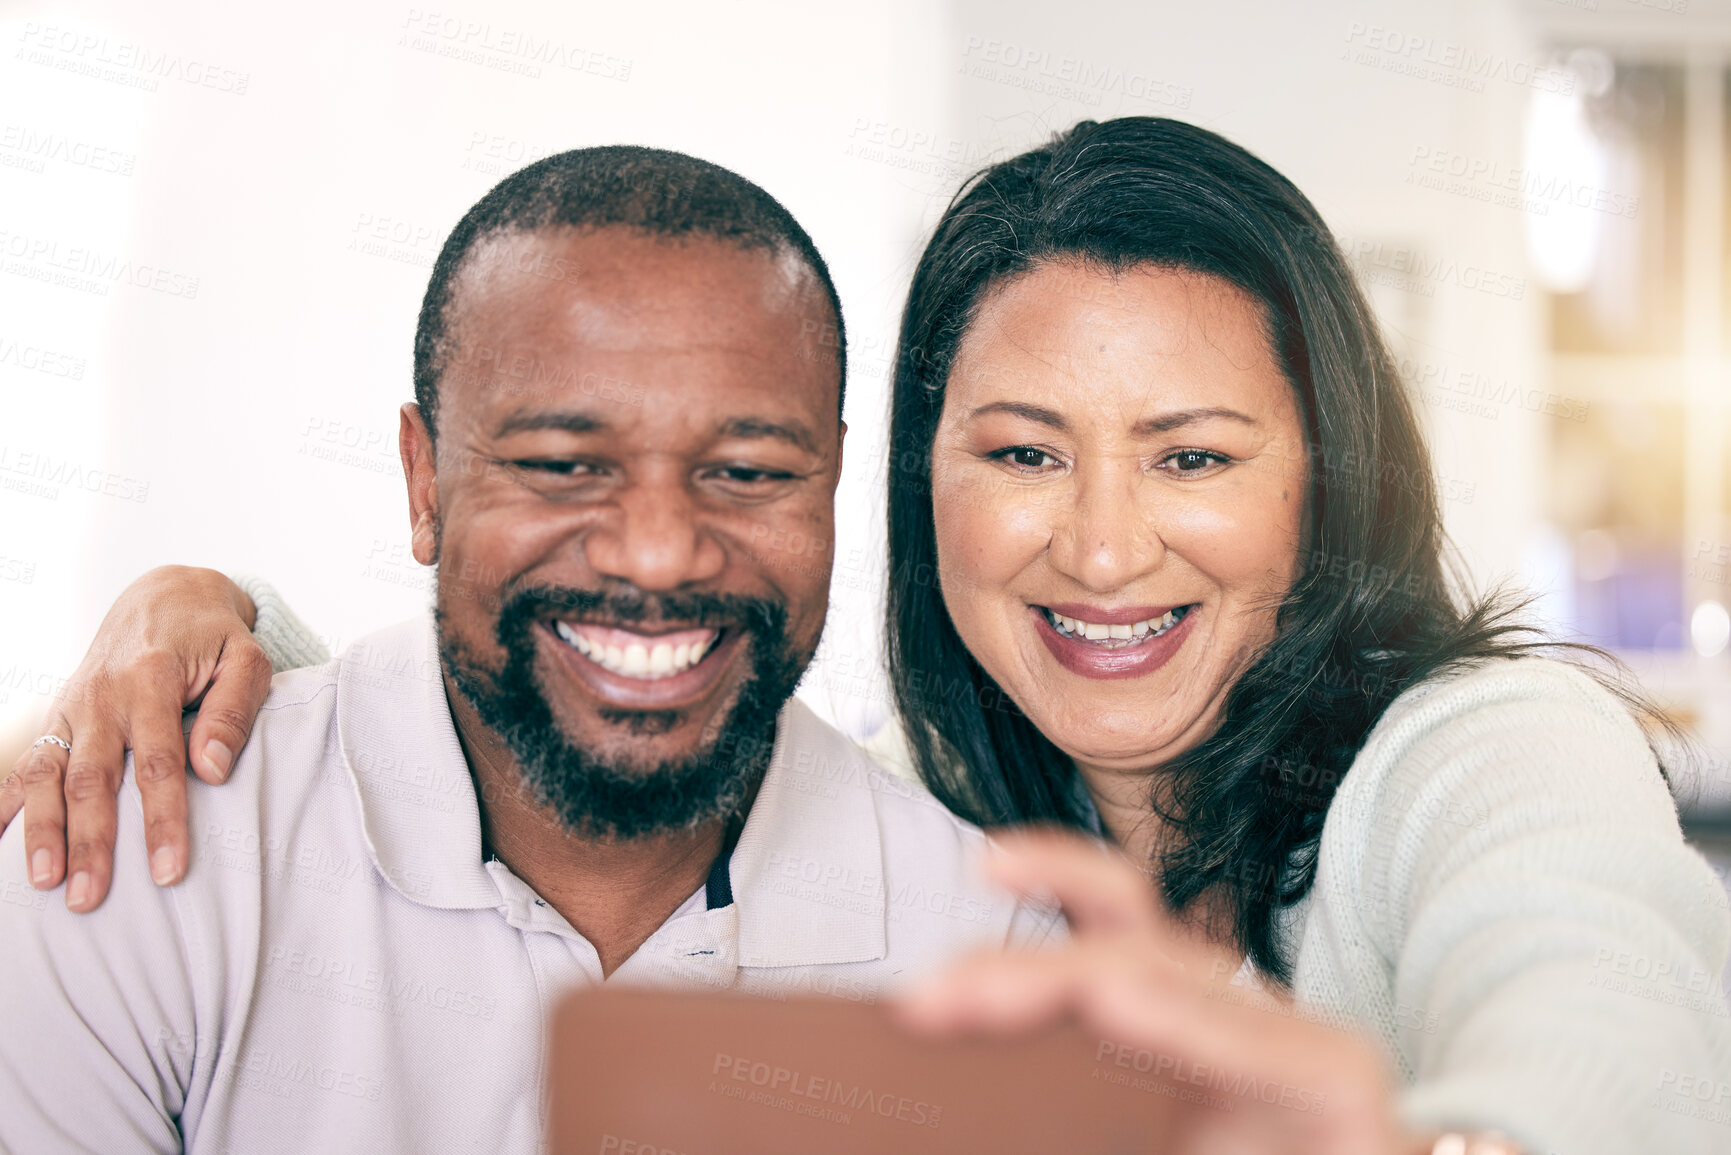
column 932, row 858
column 820, row 759
column 378, row 680
column 289, row 790
column 292, row 736
column 842, row 857
column 297, row 694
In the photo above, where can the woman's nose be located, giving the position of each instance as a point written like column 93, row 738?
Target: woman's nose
column 655, row 539
column 1108, row 536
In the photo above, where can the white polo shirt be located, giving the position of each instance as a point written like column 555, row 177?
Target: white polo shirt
column 341, row 970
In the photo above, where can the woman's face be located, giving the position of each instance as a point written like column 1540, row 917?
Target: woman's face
column 1118, row 479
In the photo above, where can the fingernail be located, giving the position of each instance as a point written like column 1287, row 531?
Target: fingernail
column 78, row 890
column 218, row 757
column 41, row 866
column 164, row 865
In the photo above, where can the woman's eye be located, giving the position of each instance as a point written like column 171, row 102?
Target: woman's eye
column 1193, row 460
column 1026, row 457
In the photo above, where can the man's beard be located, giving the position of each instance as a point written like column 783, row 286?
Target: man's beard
column 620, row 797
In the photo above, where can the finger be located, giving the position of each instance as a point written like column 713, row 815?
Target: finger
column 1110, row 991
column 1337, row 1083
column 238, row 687
column 41, row 776
column 159, row 768
column 1115, row 991
column 1176, row 1019
column 12, row 794
column 1097, row 886
column 1011, row 992
column 92, row 779
column 996, row 993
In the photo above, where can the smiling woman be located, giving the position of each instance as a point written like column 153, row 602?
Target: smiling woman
column 1149, row 385
column 1189, row 595
column 1099, row 429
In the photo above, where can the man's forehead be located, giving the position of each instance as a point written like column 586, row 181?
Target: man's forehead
column 617, row 288
column 620, row 273
column 563, row 316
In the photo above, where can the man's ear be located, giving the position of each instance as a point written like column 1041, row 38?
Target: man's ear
column 840, row 444
column 415, row 443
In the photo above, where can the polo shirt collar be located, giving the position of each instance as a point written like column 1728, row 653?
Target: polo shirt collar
column 807, row 873
column 417, row 798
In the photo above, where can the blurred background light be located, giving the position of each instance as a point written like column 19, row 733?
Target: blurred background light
column 1709, row 629
column 1566, row 163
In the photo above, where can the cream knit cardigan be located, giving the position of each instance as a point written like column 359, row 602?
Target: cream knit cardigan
column 1503, row 897
column 1504, row 900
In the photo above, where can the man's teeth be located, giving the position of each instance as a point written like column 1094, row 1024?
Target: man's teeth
column 648, row 659
column 1136, row 631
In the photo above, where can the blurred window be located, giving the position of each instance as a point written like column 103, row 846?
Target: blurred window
column 1634, row 244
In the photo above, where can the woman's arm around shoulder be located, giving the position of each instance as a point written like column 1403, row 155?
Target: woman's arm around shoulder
column 177, row 638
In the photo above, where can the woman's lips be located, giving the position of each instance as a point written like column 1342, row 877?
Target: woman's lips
column 1113, row 657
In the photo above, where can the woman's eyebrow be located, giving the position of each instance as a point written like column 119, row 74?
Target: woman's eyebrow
column 1166, row 422
column 1022, row 409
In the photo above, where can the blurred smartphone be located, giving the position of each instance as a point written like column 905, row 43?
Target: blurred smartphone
column 652, row 1073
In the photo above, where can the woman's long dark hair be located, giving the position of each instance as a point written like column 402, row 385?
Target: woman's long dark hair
column 1371, row 613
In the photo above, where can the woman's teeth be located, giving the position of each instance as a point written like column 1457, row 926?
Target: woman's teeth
column 1132, row 633
column 646, row 658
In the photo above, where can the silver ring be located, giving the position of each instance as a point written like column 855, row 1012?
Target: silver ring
column 60, row 742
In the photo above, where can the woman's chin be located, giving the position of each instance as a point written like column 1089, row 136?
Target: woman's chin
column 1131, row 752
column 1136, row 735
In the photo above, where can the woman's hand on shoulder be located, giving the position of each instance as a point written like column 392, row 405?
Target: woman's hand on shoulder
column 1132, row 975
column 177, row 637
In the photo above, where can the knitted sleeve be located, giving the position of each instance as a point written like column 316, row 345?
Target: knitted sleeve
column 288, row 641
column 1539, row 943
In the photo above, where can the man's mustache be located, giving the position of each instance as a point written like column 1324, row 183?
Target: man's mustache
column 765, row 617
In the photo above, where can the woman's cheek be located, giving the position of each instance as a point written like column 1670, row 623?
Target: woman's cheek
column 985, row 538
column 1236, row 539
column 987, row 531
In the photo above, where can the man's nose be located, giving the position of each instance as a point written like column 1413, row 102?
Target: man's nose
column 654, row 539
column 1107, row 536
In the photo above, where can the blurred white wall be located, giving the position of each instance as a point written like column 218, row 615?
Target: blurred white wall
column 218, row 222
column 294, row 173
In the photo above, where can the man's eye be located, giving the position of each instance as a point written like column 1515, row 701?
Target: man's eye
column 554, row 465
column 750, row 475
column 1026, row 457
column 1193, row 460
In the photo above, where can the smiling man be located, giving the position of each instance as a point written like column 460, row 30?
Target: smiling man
column 585, row 763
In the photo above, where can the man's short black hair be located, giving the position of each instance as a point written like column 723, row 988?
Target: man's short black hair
column 664, row 193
